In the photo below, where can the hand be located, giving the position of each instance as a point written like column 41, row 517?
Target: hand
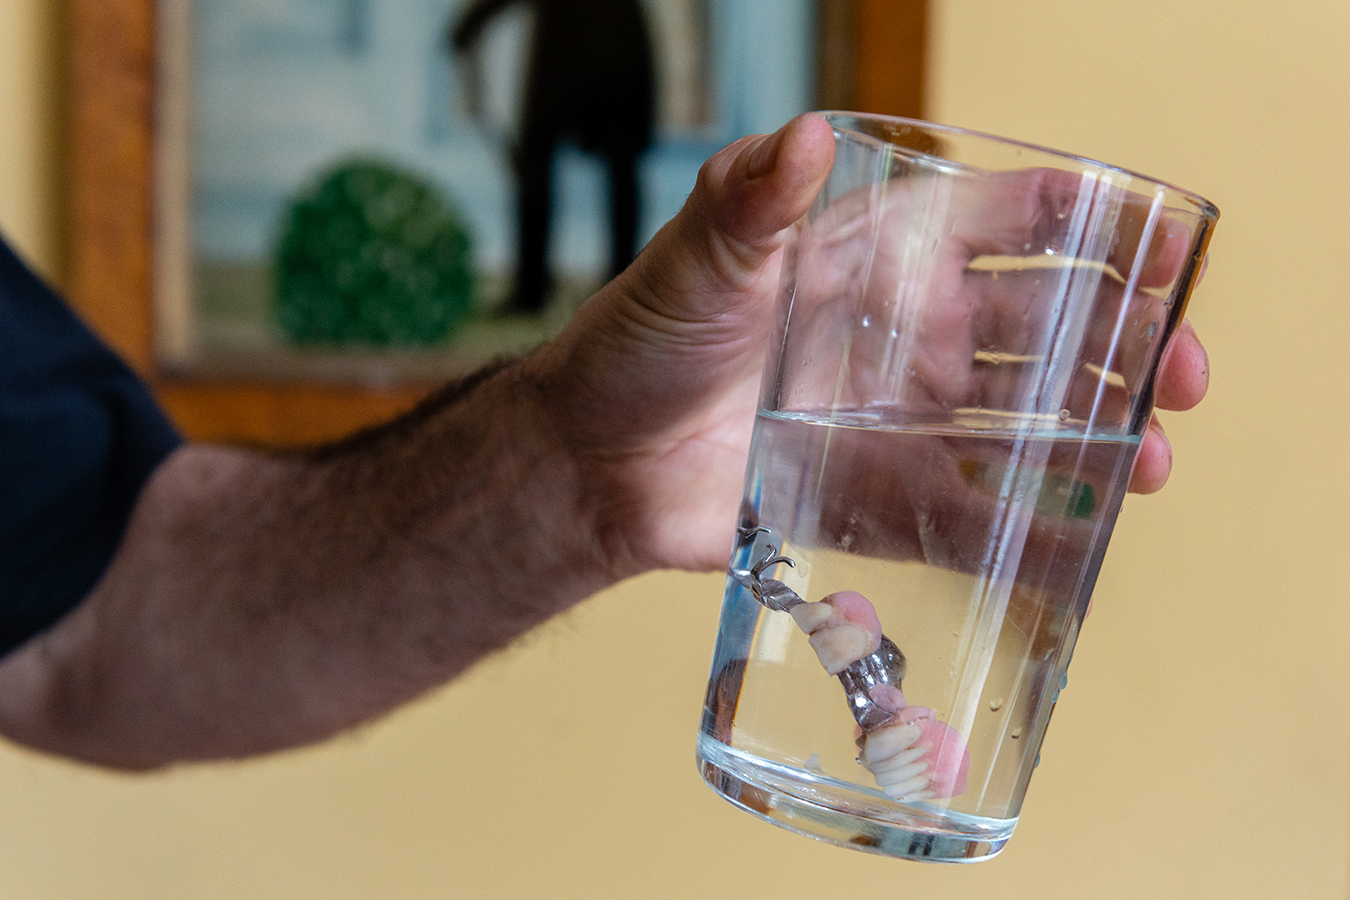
column 991, row 291
column 929, row 300
column 653, row 385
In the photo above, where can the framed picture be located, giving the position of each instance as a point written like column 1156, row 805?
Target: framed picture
column 375, row 190
column 188, row 148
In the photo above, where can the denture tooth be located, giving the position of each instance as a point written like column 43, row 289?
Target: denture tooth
column 895, row 774
column 887, row 742
column 912, row 756
column 840, row 646
column 811, row 616
column 914, row 772
column 905, row 757
column 907, row 788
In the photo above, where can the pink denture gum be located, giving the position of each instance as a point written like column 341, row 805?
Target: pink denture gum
column 947, row 756
column 857, row 609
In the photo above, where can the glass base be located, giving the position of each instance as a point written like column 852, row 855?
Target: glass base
column 842, row 814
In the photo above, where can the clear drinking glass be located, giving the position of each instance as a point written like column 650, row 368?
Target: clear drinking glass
column 959, row 376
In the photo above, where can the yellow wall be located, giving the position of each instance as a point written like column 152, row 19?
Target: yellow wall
column 1203, row 748
column 30, row 147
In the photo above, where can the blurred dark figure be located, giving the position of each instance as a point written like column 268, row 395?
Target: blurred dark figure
column 590, row 82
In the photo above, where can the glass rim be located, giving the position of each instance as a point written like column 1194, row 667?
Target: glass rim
column 1205, row 207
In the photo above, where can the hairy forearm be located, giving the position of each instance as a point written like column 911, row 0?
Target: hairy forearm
column 263, row 601
column 260, row 602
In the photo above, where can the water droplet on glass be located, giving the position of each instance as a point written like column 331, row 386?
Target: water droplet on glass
column 1152, row 328
column 1064, row 415
column 1016, row 733
column 867, row 321
column 996, row 705
column 1027, row 246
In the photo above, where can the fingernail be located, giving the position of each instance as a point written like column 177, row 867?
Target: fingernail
column 764, row 155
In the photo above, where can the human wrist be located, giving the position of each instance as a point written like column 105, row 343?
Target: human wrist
column 499, row 476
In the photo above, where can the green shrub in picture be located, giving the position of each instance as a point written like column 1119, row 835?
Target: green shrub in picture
column 371, row 254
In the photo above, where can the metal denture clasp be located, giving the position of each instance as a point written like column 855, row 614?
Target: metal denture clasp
column 886, row 665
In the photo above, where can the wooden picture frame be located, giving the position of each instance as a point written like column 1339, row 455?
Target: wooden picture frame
column 872, row 58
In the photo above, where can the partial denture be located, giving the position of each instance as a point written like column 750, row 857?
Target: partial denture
column 912, row 754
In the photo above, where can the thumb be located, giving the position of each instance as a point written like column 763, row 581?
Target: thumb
column 756, row 187
column 722, row 241
column 652, row 384
column 683, row 327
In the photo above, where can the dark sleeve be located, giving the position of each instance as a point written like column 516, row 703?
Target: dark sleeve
column 79, row 436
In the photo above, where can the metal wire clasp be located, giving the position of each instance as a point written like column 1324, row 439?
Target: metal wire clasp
column 885, row 666
column 769, row 591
